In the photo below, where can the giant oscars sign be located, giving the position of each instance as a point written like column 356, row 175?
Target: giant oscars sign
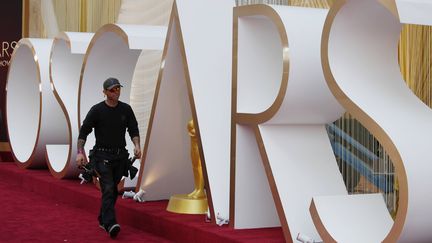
column 362, row 71
column 194, row 82
column 281, row 104
column 260, row 82
column 359, row 60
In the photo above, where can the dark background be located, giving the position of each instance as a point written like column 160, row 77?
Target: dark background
column 10, row 31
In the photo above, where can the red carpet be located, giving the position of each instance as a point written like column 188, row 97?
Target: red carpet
column 37, row 207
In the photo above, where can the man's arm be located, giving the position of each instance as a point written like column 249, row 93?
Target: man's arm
column 134, row 132
column 80, row 145
column 137, row 149
column 85, row 129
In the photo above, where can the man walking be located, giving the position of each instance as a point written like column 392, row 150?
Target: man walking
column 110, row 119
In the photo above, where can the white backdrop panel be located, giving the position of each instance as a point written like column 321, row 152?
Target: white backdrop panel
column 415, row 11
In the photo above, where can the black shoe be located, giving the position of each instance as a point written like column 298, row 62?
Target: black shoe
column 102, row 226
column 114, row 230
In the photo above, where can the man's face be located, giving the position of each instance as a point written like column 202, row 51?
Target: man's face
column 113, row 94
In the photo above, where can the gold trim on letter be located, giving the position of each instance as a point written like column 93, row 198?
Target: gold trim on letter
column 66, row 168
column 25, row 18
column 269, row 12
column 254, row 119
column 371, row 125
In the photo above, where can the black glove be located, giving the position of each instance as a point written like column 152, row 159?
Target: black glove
column 132, row 169
column 88, row 173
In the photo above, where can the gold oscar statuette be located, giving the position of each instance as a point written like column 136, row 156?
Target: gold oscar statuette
column 196, row 201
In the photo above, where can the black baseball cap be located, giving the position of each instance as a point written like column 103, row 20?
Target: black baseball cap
column 111, row 83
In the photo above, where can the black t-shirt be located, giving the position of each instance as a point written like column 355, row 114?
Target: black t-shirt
column 110, row 124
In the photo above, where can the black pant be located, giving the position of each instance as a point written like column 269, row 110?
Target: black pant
column 110, row 173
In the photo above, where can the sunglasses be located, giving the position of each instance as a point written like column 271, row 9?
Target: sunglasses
column 115, row 89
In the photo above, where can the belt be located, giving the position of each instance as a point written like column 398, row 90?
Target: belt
column 111, row 150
